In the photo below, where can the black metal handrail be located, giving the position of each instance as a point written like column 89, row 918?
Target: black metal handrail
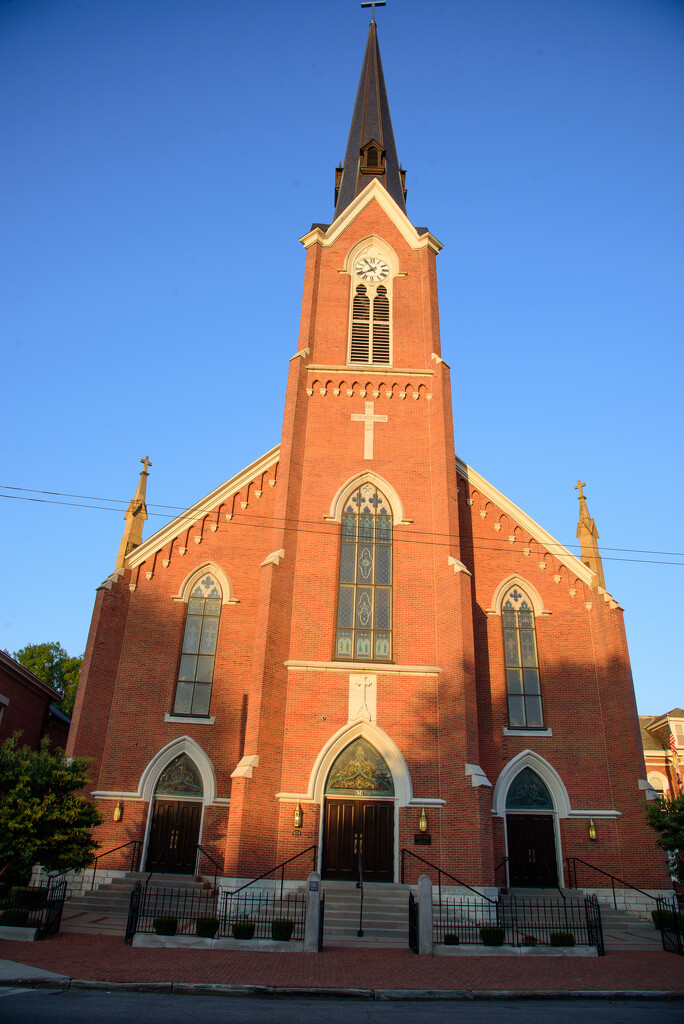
column 217, row 867
column 135, row 843
column 279, row 867
column 501, row 865
column 572, row 878
column 440, row 872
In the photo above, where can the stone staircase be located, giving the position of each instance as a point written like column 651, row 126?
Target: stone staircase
column 104, row 910
column 385, row 914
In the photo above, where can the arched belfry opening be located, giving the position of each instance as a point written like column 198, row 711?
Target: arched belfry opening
column 358, row 823
column 531, row 832
column 176, row 818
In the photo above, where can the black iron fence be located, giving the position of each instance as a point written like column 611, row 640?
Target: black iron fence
column 38, row 907
column 518, row 921
column 670, row 920
column 219, row 915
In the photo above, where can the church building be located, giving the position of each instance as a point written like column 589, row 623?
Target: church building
column 357, row 645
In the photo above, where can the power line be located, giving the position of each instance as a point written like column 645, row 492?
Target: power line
column 269, row 522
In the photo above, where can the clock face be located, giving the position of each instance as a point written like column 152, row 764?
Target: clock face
column 372, row 268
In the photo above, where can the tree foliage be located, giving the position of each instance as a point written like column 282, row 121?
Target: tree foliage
column 54, row 665
column 42, row 819
column 667, row 818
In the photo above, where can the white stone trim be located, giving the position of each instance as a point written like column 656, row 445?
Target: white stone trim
column 370, row 370
column 546, row 772
column 376, row 667
column 476, row 775
column 114, row 794
column 4, row 700
column 274, row 558
column 200, row 509
column 245, row 767
column 403, row 789
column 527, row 732
column 164, row 757
column 189, row 720
column 517, row 581
column 373, row 190
column 458, row 566
column 227, row 596
column 554, row 547
column 367, row 476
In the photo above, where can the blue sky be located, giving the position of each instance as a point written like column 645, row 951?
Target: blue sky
column 161, row 159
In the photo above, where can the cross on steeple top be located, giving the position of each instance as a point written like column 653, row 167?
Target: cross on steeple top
column 578, row 487
column 146, row 462
column 374, row 4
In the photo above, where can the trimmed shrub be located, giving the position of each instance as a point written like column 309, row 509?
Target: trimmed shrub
column 243, row 929
column 165, row 925
column 281, row 929
column 29, row 899
column 206, row 927
column 451, row 939
column 561, row 939
column 14, row 917
column 490, row 935
column 529, row 940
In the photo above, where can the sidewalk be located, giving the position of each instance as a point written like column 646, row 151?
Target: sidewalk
column 367, row 973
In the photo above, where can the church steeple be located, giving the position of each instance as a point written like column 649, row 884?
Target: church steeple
column 371, row 150
column 136, row 514
column 588, row 537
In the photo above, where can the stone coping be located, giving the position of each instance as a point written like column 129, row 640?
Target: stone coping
column 477, row 950
column 17, row 934
column 152, row 941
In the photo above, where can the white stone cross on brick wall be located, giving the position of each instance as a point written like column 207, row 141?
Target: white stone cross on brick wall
column 368, row 419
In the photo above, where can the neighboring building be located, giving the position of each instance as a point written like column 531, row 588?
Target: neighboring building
column 358, row 635
column 27, row 705
column 662, row 737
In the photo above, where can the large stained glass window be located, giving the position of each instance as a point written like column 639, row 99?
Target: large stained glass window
column 522, row 667
column 196, row 670
column 364, row 602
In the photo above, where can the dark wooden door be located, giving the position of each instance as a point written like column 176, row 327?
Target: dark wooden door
column 354, row 829
column 174, row 836
column 531, row 850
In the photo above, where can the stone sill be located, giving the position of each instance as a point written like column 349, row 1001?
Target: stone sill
column 475, row 950
column 17, row 934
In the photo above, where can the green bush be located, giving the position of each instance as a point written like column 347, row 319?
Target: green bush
column 22, row 896
column 561, row 939
column 451, row 939
column 14, row 917
column 490, row 935
column 243, row 929
column 165, row 925
column 529, row 940
column 206, row 927
column 666, row 918
column 281, row 929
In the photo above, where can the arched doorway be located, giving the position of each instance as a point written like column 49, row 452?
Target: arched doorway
column 358, row 822
column 176, row 818
column 531, row 834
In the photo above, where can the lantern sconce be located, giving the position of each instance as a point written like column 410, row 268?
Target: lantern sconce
column 118, row 811
column 298, row 817
column 592, row 830
column 422, row 821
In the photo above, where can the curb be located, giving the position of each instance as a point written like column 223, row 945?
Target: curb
column 301, row 992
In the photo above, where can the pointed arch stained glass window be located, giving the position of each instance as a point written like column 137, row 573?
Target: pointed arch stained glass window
column 196, row 669
column 364, row 603
column 523, row 686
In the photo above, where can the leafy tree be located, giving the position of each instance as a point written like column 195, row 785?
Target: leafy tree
column 667, row 818
column 51, row 663
column 41, row 817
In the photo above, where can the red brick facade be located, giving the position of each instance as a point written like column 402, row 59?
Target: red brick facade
column 282, row 706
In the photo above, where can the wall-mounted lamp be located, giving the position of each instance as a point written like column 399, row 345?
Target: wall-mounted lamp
column 298, row 815
column 422, row 821
column 592, row 831
column 118, row 811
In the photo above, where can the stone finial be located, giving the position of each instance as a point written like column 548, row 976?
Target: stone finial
column 136, row 514
column 588, row 537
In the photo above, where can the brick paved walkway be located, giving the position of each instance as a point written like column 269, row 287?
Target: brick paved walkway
column 105, row 958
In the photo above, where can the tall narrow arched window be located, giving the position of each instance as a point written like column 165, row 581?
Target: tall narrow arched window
column 523, row 686
column 196, row 669
column 364, row 602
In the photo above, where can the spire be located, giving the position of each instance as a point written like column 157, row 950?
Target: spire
column 371, row 151
column 588, row 538
column 136, row 514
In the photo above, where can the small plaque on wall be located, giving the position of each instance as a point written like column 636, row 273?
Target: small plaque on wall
column 422, row 839
column 296, row 831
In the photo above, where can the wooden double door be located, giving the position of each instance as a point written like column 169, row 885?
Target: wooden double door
column 174, row 836
column 358, row 833
column 531, row 850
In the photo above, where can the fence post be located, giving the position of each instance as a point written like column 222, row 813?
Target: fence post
column 425, row 945
column 313, row 912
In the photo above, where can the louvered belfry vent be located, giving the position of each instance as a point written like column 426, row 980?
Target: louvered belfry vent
column 381, row 326
column 360, row 340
